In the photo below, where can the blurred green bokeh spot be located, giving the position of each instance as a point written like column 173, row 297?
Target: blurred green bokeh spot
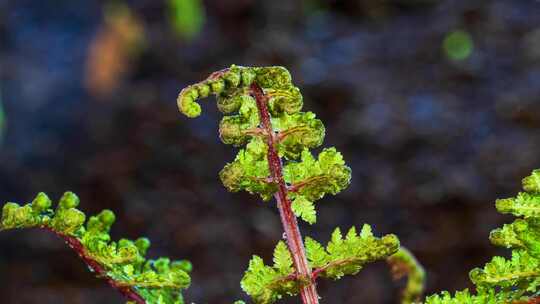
column 187, row 17
column 458, row 45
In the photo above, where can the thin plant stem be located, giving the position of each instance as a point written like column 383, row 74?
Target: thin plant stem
column 288, row 219
column 127, row 291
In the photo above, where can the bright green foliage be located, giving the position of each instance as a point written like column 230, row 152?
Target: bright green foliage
column 311, row 179
column 524, row 204
column 342, row 256
column 514, row 279
column 304, row 209
column 296, row 132
column 157, row 281
column 297, row 174
column 267, row 284
column 403, row 263
column 249, row 171
column 465, row 297
column 347, row 256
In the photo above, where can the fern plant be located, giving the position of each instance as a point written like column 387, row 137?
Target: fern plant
column 263, row 118
column 515, row 279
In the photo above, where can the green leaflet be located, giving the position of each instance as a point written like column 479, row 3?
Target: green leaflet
column 524, row 204
column 522, row 269
column 267, row 284
column 342, row 256
column 311, row 179
column 514, row 279
column 346, row 256
column 465, row 297
column 304, row 209
column 314, row 178
column 249, row 171
column 297, row 132
column 124, row 262
column 531, row 183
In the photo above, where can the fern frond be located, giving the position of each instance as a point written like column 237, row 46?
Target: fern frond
column 517, row 279
column 466, row 297
column 347, row 256
column 267, row 284
column 123, row 264
column 294, row 131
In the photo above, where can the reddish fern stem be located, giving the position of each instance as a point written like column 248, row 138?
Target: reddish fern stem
column 288, row 219
column 128, row 292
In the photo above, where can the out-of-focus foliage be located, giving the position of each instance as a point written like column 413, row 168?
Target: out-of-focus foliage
column 120, row 39
column 458, row 45
column 123, row 262
column 187, row 17
column 513, row 279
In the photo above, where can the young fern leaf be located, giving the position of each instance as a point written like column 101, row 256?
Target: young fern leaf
column 263, row 113
column 347, row 256
column 294, row 132
column 311, row 179
column 515, row 279
column 342, row 256
column 267, row 284
column 122, row 264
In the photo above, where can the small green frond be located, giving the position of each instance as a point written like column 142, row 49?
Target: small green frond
column 249, row 171
column 316, row 178
column 283, row 262
column 531, row 183
column 123, row 262
column 347, row 256
column 304, row 209
column 465, row 297
column 266, row 284
column 297, row 132
column 514, row 280
column 524, row 204
column 507, row 236
column 316, row 254
column 521, row 269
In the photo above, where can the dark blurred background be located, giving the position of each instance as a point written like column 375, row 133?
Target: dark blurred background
column 434, row 104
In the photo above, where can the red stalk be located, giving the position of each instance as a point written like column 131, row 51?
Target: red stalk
column 126, row 291
column 288, row 219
